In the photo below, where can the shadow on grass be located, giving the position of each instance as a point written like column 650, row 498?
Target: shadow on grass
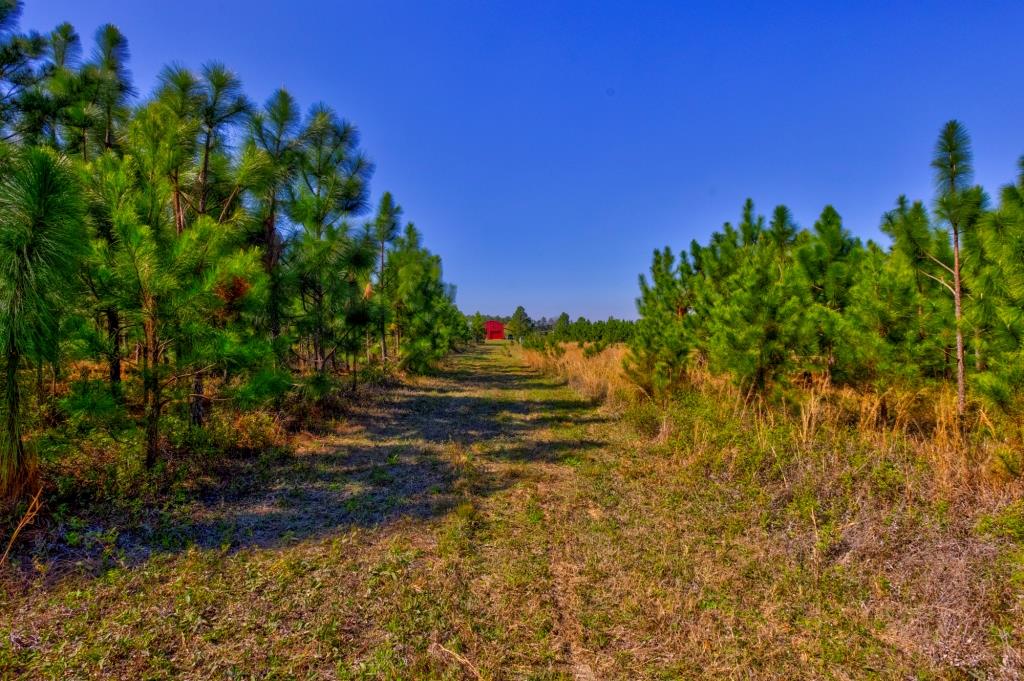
column 401, row 461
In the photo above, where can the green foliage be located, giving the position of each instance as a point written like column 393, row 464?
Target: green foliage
column 206, row 243
column 428, row 323
column 520, row 325
column 89, row 405
column 41, row 239
column 477, row 328
column 644, row 417
column 1008, row 522
column 549, row 335
column 771, row 305
column 663, row 339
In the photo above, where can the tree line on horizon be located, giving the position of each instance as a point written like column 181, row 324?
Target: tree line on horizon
column 519, row 326
column 768, row 304
column 188, row 248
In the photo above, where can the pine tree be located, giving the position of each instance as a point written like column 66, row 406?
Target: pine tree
column 19, row 67
column 178, row 97
column 477, row 328
column 829, row 260
column 759, row 328
column 959, row 206
column 385, row 230
column 41, row 239
column 663, row 345
column 884, row 319
column 109, row 70
column 428, row 323
column 520, row 325
column 276, row 132
column 221, row 103
column 560, row 330
column 328, row 260
column 997, row 295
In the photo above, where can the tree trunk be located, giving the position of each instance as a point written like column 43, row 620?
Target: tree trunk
column 961, row 389
column 275, row 307
column 108, row 137
column 383, row 323
column 153, row 396
column 318, row 353
column 271, row 257
column 197, row 403
column 179, row 209
column 318, row 335
column 204, row 171
column 40, row 390
column 14, row 463
column 114, row 354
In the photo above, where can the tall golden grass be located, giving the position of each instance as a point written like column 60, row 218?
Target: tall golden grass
column 921, row 421
column 882, row 487
column 599, row 377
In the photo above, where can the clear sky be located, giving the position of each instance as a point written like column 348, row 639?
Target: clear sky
column 546, row 148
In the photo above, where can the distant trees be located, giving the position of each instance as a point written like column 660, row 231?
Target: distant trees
column 603, row 331
column 765, row 304
column 519, row 325
column 477, row 328
column 551, row 333
column 203, row 249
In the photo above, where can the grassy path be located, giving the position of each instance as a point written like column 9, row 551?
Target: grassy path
column 487, row 523
column 416, row 541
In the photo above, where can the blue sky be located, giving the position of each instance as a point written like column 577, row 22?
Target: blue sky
column 545, row 149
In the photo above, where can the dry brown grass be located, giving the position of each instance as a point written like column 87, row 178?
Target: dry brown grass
column 983, row 455
column 842, row 531
column 599, row 377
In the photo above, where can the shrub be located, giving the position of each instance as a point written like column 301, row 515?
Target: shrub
column 644, row 417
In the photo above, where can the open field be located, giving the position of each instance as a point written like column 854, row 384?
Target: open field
column 488, row 522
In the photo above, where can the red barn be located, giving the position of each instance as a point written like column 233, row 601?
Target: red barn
column 495, row 330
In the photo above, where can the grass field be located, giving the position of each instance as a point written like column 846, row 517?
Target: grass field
column 489, row 522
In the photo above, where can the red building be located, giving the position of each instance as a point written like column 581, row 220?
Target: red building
column 495, row 330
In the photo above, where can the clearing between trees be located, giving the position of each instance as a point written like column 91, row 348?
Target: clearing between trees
column 489, row 522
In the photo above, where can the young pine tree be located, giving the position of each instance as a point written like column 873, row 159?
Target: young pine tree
column 520, row 325
column 275, row 130
column 663, row 343
column 41, row 239
column 959, row 205
column 385, row 229
column 829, row 259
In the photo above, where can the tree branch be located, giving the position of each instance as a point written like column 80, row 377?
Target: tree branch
column 941, row 281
